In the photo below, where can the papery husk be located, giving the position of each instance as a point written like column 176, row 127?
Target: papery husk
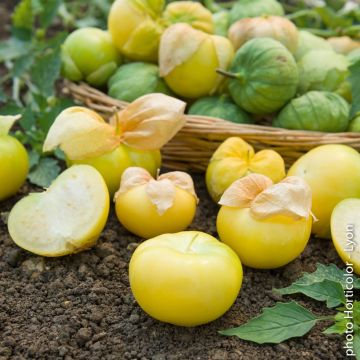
column 182, row 180
column 242, row 192
column 150, row 121
column 276, row 27
column 135, row 27
column 146, row 124
column 343, row 44
column 178, row 43
column 190, row 12
column 7, row 122
column 291, row 197
column 161, row 192
column 81, row 133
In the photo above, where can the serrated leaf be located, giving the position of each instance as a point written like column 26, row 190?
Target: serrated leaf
column 330, row 291
column 23, row 16
column 45, row 172
column 27, row 120
column 354, row 79
column 46, row 71
column 276, row 324
column 34, row 158
column 323, row 272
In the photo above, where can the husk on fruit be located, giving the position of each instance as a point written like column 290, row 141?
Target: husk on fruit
column 190, row 12
column 188, row 59
column 275, row 27
column 343, row 44
column 315, row 111
column 235, row 159
column 322, row 70
column 7, row 122
column 290, row 197
column 263, row 76
column 136, row 79
column 253, row 8
column 135, row 27
column 79, row 56
column 146, row 124
column 160, row 191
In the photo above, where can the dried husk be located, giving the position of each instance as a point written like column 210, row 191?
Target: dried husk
column 178, row 43
column 242, row 192
column 147, row 124
column 161, row 191
column 343, row 44
column 7, row 122
column 81, row 133
column 150, row 121
column 291, row 197
column 276, row 27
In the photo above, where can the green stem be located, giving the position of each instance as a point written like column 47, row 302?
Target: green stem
column 227, row 74
column 302, row 13
column 188, row 247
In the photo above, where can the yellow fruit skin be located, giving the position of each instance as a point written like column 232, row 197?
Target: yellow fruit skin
column 344, row 232
column 135, row 30
column 197, row 76
column 235, row 159
column 14, row 166
column 333, row 173
column 186, row 279
column 262, row 244
column 139, row 215
column 111, row 165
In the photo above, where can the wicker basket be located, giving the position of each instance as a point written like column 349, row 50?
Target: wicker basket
column 192, row 147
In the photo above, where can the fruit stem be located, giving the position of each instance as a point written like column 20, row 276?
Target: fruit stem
column 227, row 74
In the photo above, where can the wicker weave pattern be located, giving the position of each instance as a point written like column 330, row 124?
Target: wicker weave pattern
column 192, row 147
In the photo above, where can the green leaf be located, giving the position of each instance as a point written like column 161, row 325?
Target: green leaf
column 3, row 96
column 27, row 120
column 34, row 158
column 23, row 16
column 357, row 344
column 330, row 291
column 354, row 79
column 323, row 272
column 50, row 10
column 46, row 71
column 338, row 328
column 276, row 324
column 22, row 64
column 12, row 49
column 45, row 172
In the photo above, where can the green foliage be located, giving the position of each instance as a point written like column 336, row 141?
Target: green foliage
column 288, row 320
column 32, row 59
column 276, row 324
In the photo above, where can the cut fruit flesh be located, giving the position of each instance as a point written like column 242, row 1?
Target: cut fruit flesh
column 66, row 218
column 345, row 231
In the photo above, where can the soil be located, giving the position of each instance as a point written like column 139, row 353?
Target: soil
column 81, row 306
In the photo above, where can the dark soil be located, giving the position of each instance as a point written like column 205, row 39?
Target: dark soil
column 81, row 306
